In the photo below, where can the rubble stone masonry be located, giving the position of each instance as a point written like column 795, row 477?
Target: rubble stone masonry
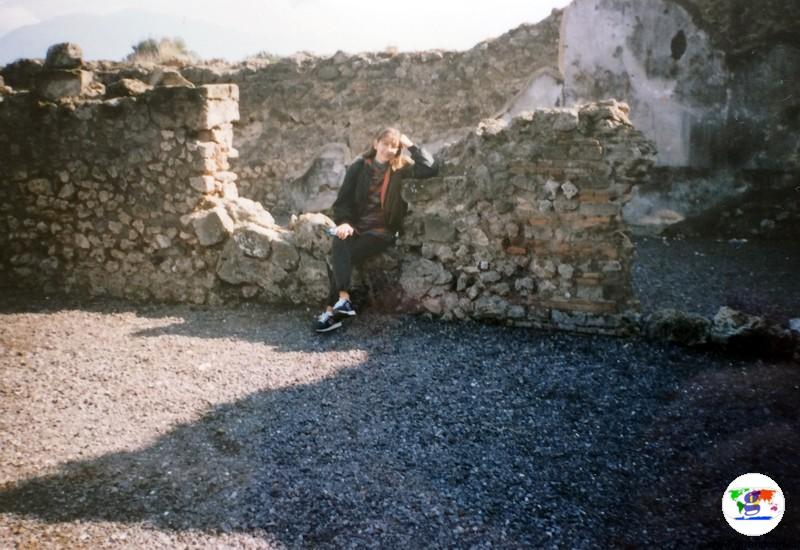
column 134, row 197
column 94, row 191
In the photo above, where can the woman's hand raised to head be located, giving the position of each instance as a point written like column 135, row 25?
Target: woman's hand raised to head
column 405, row 142
column 343, row 231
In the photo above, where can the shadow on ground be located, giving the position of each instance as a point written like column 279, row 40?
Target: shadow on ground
column 457, row 435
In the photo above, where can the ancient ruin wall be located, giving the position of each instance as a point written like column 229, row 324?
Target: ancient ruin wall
column 712, row 82
column 133, row 197
column 300, row 108
column 525, row 223
column 94, row 191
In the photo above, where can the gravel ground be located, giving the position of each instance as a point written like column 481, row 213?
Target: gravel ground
column 178, row 426
column 700, row 275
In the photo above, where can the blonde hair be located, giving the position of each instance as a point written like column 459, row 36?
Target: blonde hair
column 399, row 161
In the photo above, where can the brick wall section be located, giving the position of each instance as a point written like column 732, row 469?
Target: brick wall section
column 524, row 226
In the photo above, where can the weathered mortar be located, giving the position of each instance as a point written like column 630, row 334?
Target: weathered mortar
column 133, row 197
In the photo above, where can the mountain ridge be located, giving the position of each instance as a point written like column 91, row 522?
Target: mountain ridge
column 112, row 36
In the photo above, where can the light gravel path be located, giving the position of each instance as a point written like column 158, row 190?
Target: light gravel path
column 176, row 426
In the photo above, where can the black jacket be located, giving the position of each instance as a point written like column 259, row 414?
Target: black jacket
column 352, row 197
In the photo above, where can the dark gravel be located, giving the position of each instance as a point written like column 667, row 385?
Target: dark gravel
column 701, row 275
column 177, row 426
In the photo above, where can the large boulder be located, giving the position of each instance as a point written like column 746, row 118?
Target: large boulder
column 284, row 253
column 255, row 241
column 236, row 267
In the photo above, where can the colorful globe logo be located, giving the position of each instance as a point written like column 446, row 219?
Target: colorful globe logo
column 753, row 504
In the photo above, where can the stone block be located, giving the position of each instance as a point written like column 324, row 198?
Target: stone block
column 21, row 74
column 312, row 273
column 56, row 84
column 284, row 254
column 589, row 292
column 235, row 267
column 569, row 189
column 213, row 226
column 204, row 184
column 66, row 55
column 220, row 91
column 490, row 307
column 230, row 191
column 40, row 186
column 586, row 152
column 255, row 241
column 564, row 120
column 192, row 108
column 729, row 323
column 217, row 113
column 419, row 275
column 328, row 72
column 438, row 229
column 310, row 233
column 127, row 87
column 563, row 204
column 243, row 210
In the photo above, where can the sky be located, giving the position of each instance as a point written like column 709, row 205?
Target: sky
column 319, row 26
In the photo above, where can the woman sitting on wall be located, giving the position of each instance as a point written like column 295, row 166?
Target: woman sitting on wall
column 369, row 213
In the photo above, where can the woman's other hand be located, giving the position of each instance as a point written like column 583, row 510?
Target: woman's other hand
column 405, row 142
column 345, row 230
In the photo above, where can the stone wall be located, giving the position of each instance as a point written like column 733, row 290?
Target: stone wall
column 134, row 197
column 525, row 223
column 712, row 82
column 295, row 109
column 304, row 117
column 94, row 191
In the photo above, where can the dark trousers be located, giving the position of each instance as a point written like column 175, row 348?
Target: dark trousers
column 346, row 253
